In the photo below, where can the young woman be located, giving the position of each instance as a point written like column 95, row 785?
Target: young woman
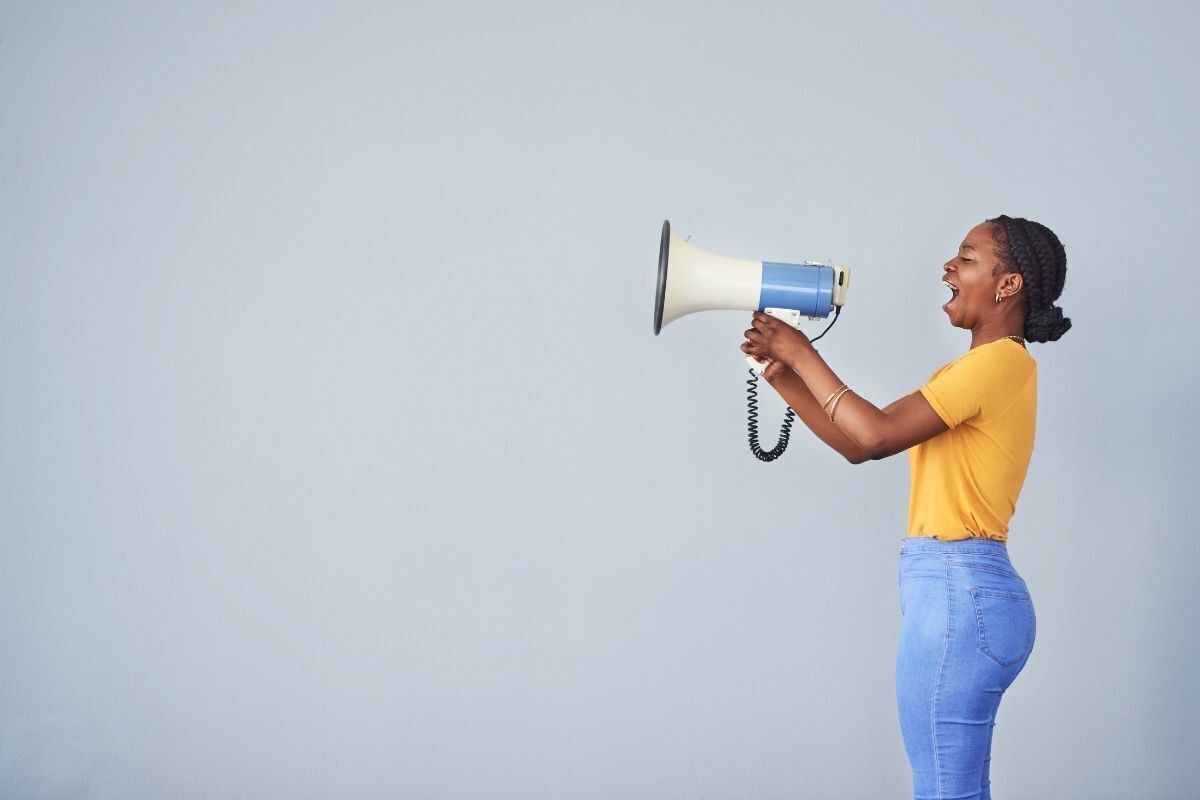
column 968, row 619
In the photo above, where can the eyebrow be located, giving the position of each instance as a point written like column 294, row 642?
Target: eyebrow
column 965, row 247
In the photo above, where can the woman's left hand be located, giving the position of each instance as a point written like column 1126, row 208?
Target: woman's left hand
column 771, row 339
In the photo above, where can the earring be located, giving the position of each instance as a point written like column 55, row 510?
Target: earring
column 998, row 297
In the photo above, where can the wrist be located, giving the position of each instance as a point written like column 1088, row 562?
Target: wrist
column 802, row 355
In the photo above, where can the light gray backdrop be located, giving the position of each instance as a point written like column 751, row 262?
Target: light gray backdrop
column 337, row 458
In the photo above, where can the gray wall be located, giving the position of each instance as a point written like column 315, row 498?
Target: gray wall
column 337, row 458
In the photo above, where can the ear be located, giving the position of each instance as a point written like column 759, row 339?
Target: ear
column 1010, row 284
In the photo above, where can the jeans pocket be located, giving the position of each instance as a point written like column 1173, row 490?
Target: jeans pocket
column 1006, row 624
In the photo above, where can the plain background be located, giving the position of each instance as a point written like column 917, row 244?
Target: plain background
column 338, row 459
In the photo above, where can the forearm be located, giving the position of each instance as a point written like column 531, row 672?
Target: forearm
column 856, row 419
column 795, row 392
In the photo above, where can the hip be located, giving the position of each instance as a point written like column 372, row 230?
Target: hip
column 968, row 587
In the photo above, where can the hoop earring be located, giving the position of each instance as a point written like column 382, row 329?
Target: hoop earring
column 998, row 297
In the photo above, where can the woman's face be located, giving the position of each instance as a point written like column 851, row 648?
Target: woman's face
column 973, row 278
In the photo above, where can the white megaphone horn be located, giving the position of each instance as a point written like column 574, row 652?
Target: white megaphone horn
column 691, row 280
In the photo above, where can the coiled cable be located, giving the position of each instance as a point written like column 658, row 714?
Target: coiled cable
column 785, row 432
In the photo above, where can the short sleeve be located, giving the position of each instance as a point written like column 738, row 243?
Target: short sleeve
column 962, row 389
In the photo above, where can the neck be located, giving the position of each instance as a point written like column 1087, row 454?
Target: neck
column 988, row 332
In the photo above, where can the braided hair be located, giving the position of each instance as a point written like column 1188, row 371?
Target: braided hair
column 1033, row 250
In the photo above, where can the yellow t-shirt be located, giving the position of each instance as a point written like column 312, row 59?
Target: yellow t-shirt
column 965, row 482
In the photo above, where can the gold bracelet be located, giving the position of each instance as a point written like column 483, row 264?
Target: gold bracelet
column 836, row 400
column 835, row 391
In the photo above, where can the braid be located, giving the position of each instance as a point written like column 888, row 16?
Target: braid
column 1027, row 262
column 1033, row 250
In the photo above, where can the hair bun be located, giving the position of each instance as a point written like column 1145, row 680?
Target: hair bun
column 1046, row 325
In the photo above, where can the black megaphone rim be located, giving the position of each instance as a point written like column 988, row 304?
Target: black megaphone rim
column 664, row 255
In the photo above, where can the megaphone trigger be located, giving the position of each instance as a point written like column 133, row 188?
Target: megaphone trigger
column 789, row 315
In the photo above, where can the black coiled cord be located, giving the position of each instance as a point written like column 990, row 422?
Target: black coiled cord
column 785, row 432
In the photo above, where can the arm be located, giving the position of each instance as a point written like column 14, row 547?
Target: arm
column 877, row 433
column 792, row 389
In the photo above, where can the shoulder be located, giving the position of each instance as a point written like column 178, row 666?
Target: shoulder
column 1004, row 356
column 980, row 379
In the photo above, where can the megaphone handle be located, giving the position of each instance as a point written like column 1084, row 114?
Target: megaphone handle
column 788, row 315
column 758, row 365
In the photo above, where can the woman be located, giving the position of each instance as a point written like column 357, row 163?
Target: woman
column 968, row 620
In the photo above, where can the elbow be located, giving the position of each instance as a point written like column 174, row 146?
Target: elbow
column 866, row 449
column 870, row 444
column 881, row 450
column 857, row 456
column 875, row 448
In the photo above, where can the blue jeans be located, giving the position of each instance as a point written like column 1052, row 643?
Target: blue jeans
column 968, row 630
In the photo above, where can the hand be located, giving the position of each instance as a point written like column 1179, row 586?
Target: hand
column 773, row 340
column 774, row 370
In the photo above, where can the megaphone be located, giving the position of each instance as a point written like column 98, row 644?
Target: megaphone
column 691, row 279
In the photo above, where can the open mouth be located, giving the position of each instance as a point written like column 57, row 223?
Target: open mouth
column 953, row 294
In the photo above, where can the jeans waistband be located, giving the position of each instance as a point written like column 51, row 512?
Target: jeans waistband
column 973, row 546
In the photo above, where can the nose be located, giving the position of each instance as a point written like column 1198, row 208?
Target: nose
column 948, row 266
